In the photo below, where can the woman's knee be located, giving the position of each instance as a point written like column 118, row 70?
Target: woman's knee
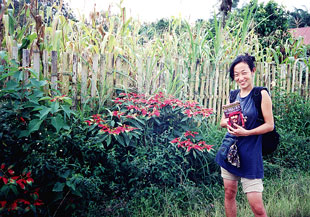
column 230, row 193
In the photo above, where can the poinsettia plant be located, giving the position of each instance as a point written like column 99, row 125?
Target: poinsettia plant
column 16, row 192
column 155, row 137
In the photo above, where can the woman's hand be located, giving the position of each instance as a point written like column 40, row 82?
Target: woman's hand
column 239, row 131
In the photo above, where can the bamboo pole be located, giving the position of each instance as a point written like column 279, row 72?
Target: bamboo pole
column 307, row 89
column 54, row 72
column 36, row 63
column 15, row 54
column 84, row 74
column 294, row 76
column 94, row 76
column 191, row 80
column 273, row 79
column 74, row 79
column 26, row 63
column 197, row 75
column 65, row 74
column 202, row 84
column 215, row 90
column 110, row 75
column 219, row 96
column 139, row 76
column 300, row 78
column 288, row 76
column 102, row 76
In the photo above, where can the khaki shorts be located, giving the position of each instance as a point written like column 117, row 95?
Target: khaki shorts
column 248, row 185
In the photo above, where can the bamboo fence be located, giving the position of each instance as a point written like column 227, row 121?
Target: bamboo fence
column 97, row 76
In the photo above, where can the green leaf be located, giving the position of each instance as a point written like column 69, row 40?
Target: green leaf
column 58, row 122
column 65, row 174
column 45, row 98
column 120, row 139
column 11, row 85
column 55, row 107
column 34, row 125
column 66, row 109
column 71, row 185
column 37, row 83
column 58, row 187
column 44, row 112
column 109, row 140
column 23, row 133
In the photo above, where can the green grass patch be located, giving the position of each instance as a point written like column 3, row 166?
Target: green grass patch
column 286, row 194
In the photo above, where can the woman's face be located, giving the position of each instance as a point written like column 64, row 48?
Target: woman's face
column 243, row 75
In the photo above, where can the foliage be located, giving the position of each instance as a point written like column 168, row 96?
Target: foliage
column 163, row 148
column 292, row 113
column 299, row 18
column 17, row 197
column 139, row 142
column 271, row 24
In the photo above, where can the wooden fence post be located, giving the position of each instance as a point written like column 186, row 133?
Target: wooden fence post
column 26, row 63
column 45, row 69
column 54, row 73
column 36, row 63
column 94, row 76
column 84, row 79
column 65, row 74
column 74, row 79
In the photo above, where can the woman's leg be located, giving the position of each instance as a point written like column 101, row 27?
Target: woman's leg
column 256, row 202
column 231, row 187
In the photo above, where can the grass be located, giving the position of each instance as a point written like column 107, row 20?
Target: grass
column 287, row 194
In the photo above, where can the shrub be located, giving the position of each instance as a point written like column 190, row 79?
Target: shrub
column 155, row 139
column 292, row 115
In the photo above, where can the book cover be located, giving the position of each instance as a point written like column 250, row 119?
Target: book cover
column 233, row 112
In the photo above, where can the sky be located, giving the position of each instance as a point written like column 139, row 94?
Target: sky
column 152, row 10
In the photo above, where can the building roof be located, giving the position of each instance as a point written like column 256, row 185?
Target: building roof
column 303, row 32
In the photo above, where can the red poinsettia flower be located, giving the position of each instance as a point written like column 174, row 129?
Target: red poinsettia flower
column 3, row 203
column 190, row 133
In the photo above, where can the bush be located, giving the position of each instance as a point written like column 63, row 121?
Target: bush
column 292, row 115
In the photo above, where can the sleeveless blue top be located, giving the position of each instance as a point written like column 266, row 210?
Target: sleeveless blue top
column 249, row 147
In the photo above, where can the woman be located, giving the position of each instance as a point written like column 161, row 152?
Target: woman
column 249, row 141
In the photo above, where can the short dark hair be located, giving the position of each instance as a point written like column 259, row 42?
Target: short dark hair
column 242, row 58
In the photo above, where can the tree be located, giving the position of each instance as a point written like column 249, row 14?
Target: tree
column 225, row 7
column 271, row 23
column 299, row 18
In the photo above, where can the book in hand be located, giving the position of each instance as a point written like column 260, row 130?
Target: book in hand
column 234, row 114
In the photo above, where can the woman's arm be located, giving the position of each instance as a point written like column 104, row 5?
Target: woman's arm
column 268, row 126
column 224, row 122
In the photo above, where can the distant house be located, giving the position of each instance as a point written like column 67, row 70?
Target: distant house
column 301, row 32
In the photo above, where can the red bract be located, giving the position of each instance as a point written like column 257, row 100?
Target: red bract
column 28, row 174
column 3, row 203
column 190, row 133
column 5, row 180
column 38, row 203
column 30, row 180
column 11, row 172
column 88, row 122
column 20, row 183
column 176, row 140
column 188, row 112
column 189, row 145
column 22, row 119
column 13, row 206
column 2, row 166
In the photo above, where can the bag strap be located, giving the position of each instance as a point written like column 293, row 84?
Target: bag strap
column 257, row 98
column 233, row 95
